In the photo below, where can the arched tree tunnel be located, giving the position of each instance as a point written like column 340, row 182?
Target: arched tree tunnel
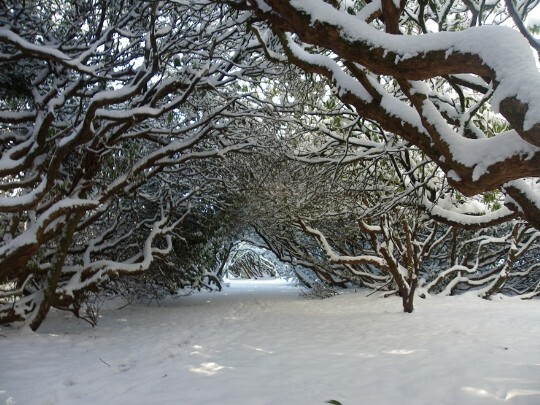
column 379, row 145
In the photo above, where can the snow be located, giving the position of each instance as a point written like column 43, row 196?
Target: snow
column 258, row 342
column 25, row 199
column 369, row 10
column 8, row 36
column 478, row 153
column 501, row 48
column 528, row 188
column 461, row 213
column 345, row 82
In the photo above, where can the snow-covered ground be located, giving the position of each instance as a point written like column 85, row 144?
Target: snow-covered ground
column 260, row 343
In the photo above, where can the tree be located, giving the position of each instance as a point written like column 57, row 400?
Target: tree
column 369, row 207
column 118, row 119
column 249, row 262
column 421, row 255
column 426, row 72
column 109, row 111
column 197, row 260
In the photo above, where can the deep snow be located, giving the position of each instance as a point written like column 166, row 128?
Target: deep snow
column 260, row 343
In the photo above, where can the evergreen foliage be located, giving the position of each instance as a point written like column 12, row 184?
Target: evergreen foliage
column 139, row 142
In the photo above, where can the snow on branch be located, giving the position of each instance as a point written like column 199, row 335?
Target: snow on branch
column 402, row 76
column 336, row 258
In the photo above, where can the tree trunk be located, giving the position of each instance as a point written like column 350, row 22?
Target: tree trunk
column 408, row 303
column 49, row 289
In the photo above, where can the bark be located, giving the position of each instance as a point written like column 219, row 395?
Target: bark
column 53, row 276
column 356, row 53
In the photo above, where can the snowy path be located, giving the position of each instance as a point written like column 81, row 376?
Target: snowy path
column 260, row 343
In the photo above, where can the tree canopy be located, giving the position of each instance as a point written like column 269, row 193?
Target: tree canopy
column 393, row 146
